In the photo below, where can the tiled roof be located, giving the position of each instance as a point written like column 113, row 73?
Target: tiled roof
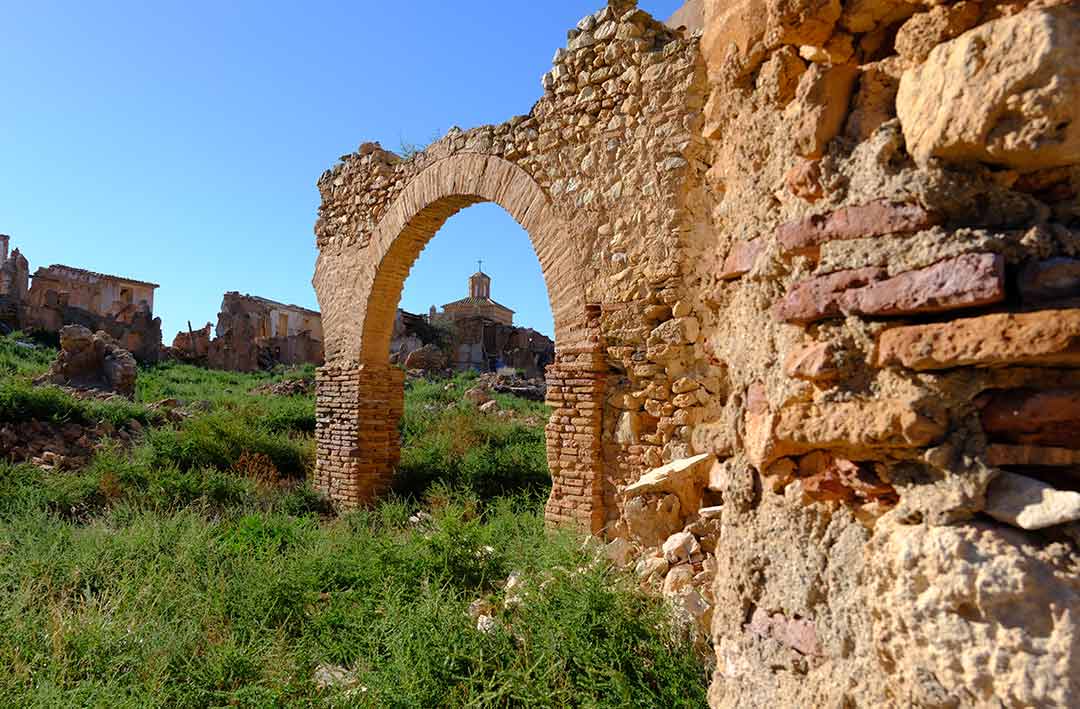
column 474, row 302
column 95, row 274
column 275, row 304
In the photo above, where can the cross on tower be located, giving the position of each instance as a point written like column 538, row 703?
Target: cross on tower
column 480, row 265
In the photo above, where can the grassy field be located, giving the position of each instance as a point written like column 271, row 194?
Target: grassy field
column 198, row 569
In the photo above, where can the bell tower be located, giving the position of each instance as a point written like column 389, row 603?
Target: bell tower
column 479, row 283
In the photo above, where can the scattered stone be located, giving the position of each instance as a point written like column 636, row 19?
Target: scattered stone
column 650, row 567
column 489, row 407
column 690, row 603
column 1043, row 338
column 486, row 624
column 678, row 578
column 1030, row 504
column 479, row 607
column 478, row 396
column 334, row 677
column 682, row 547
column 286, row 387
column 92, row 361
column 620, row 552
column 428, row 358
column 684, row 478
column 713, row 512
column 652, row 519
column 1004, row 93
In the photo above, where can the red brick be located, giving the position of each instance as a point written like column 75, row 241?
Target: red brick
column 1025, row 416
column 1056, row 279
column 818, row 298
column 856, row 222
column 967, row 281
column 741, row 258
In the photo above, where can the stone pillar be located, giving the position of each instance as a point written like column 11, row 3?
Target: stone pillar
column 575, row 392
column 357, row 413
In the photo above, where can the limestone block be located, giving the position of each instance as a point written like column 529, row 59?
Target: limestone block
column 820, row 106
column 1006, row 92
column 678, row 578
column 925, row 30
column 1030, row 504
column 685, row 478
column 681, row 547
column 943, row 599
column 650, row 520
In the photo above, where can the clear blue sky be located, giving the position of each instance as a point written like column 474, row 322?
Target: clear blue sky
column 180, row 142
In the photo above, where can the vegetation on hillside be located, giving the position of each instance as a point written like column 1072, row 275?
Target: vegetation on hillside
column 197, row 568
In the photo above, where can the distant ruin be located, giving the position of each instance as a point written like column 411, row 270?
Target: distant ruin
column 814, row 273
column 475, row 332
column 61, row 295
column 254, row 333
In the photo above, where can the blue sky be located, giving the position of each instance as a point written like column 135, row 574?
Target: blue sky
column 180, row 142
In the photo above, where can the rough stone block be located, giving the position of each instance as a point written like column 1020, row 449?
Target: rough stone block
column 1043, row 338
column 1007, row 92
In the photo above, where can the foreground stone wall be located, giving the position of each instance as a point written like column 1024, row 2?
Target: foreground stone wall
column 816, row 283
column 892, row 298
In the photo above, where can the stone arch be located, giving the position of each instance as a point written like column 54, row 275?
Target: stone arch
column 360, row 395
column 428, row 201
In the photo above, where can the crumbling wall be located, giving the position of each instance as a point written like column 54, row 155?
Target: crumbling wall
column 192, row 346
column 250, row 336
column 889, row 222
column 815, row 283
column 594, row 174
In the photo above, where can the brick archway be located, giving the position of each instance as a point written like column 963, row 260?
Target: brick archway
column 359, row 284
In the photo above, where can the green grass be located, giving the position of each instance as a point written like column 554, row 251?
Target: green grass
column 445, row 439
column 197, row 568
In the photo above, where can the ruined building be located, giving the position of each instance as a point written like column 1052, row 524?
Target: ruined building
column 62, row 295
column 254, row 333
column 14, row 283
column 814, row 273
column 478, row 304
column 482, row 335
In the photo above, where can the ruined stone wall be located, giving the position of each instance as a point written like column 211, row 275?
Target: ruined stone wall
column 814, row 276
column 595, row 175
column 889, row 231
column 255, row 333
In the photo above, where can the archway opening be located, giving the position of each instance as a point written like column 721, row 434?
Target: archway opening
column 474, row 333
column 359, row 278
